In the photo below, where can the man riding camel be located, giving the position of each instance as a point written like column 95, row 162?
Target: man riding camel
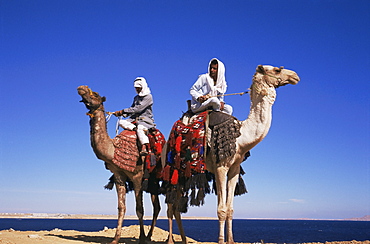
column 207, row 92
column 141, row 114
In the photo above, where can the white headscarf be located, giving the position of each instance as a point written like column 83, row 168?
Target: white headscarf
column 221, row 85
column 141, row 82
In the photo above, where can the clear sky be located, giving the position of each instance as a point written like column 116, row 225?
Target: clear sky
column 314, row 162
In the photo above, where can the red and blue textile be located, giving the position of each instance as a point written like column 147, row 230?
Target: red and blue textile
column 186, row 147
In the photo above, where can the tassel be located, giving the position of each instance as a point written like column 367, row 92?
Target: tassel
column 189, row 138
column 240, row 188
column 178, row 144
column 153, row 160
column 200, row 197
column 183, row 204
column 110, row 184
column 193, row 199
column 241, row 170
column 175, row 177
column 188, row 170
column 129, row 186
column 170, row 197
column 214, row 186
column 166, row 173
column 144, row 185
column 177, row 161
column 188, row 154
column 158, row 148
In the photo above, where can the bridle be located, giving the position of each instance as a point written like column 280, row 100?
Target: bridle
column 264, row 73
column 92, row 107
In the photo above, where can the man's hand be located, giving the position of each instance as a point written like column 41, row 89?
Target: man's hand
column 118, row 113
column 204, row 98
column 222, row 107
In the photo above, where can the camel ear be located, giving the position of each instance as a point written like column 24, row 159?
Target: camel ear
column 281, row 67
column 103, row 99
column 260, row 69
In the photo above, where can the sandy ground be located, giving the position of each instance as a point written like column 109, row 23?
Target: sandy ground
column 130, row 235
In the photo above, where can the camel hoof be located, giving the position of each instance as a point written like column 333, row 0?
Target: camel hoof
column 170, row 240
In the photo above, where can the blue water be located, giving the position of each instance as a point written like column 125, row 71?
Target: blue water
column 278, row 231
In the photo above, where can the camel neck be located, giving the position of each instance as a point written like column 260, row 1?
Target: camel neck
column 258, row 123
column 100, row 140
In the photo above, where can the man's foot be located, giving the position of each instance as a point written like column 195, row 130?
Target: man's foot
column 144, row 150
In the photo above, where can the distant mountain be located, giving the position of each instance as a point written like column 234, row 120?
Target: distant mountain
column 365, row 218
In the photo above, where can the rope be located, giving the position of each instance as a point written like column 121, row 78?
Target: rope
column 107, row 118
column 231, row 94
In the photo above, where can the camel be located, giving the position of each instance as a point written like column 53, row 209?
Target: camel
column 103, row 148
column 253, row 130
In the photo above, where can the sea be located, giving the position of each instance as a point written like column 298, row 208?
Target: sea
column 253, row 231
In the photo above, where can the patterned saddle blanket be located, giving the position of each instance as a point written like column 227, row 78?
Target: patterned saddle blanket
column 126, row 153
column 191, row 140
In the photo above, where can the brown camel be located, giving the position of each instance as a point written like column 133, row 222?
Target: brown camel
column 104, row 149
column 253, row 130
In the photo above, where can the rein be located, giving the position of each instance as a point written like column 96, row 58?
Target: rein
column 231, row 94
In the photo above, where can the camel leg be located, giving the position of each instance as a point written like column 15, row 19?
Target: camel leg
column 170, row 223
column 139, row 204
column 232, row 179
column 177, row 215
column 121, row 195
column 156, row 210
column 221, row 181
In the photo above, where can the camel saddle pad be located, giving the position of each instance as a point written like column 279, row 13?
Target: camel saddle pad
column 186, row 145
column 126, row 153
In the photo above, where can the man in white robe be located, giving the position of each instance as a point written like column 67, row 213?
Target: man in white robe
column 207, row 92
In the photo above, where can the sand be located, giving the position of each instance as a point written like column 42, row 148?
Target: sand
column 130, row 235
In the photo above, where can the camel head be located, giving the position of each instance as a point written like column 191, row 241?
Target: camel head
column 92, row 100
column 277, row 77
column 267, row 77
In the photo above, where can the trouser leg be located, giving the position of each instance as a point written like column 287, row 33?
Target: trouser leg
column 126, row 124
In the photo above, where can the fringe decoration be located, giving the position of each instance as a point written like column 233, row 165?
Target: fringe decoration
column 166, row 173
column 193, row 199
column 146, row 174
column 188, row 170
column 110, row 184
column 171, row 196
column 224, row 137
column 129, row 186
column 153, row 160
column 183, row 205
column 145, row 184
column 178, row 144
column 240, row 188
column 175, row 177
column 200, row 196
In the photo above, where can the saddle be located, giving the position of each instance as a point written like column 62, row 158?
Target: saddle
column 126, row 156
column 126, row 153
column 193, row 138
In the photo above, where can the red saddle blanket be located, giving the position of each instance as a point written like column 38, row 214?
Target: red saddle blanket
column 186, row 147
column 126, row 153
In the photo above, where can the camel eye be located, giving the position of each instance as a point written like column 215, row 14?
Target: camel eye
column 277, row 70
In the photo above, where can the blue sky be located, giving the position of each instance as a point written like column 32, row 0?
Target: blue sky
column 314, row 163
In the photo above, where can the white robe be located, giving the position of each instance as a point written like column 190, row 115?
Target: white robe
column 205, row 85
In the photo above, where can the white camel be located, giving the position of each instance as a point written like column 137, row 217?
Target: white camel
column 262, row 93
